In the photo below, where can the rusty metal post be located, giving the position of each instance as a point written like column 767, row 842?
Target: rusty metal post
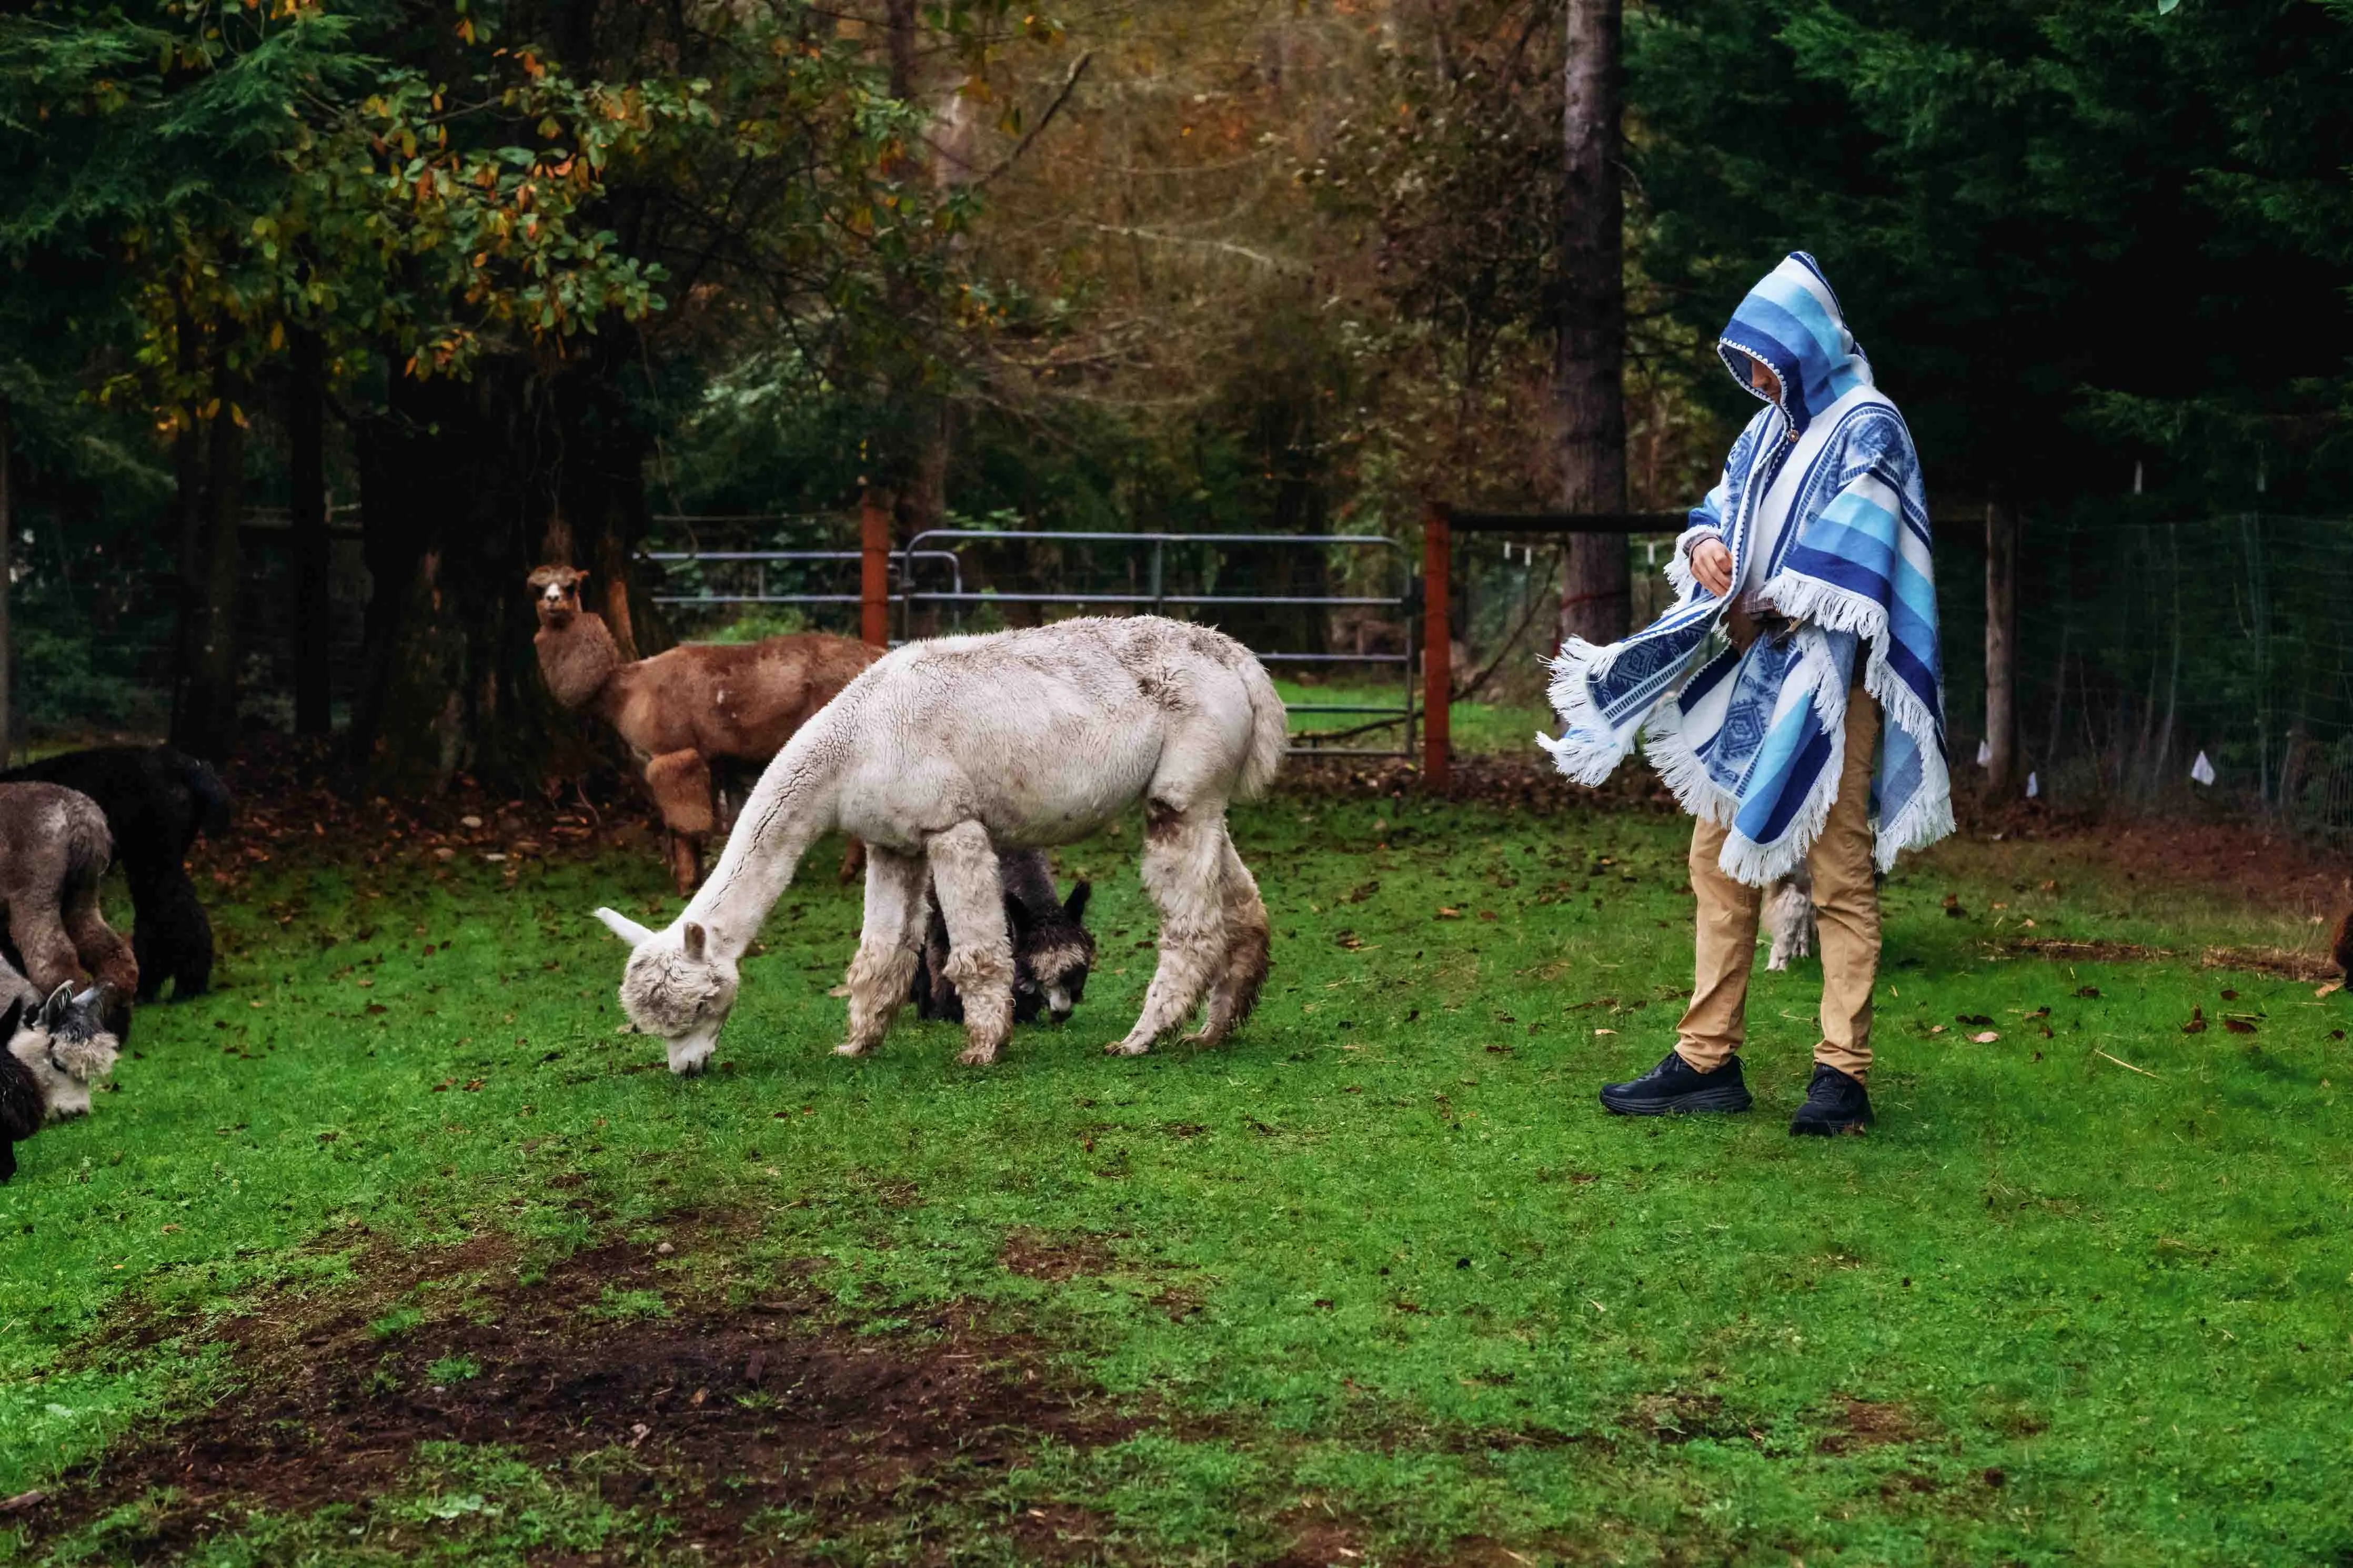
column 874, row 570
column 1437, row 645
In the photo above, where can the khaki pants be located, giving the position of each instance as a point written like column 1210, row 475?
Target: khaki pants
column 1846, row 901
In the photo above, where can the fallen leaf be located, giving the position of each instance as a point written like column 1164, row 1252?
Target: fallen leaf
column 2238, row 1026
column 1445, row 913
column 1605, row 1031
column 2197, row 1025
column 2092, row 992
column 2330, row 989
column 1985, row 1039
column 2229, row 995
column 839, row 990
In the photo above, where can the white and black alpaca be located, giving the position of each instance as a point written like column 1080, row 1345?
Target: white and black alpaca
column 946, row 749
column 58, row 1051
column 1789, row 917
column 1052, row 948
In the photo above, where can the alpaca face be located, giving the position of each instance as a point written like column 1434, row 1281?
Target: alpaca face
column 68, row 1049
column 555, row 594
column 1051, row 958
column 677, row 987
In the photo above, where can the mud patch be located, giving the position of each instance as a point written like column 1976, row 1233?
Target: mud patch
column 1870, row 1423
column 1040, row 1255
column 2286, row 964
column 1673, row 1418
column 705, row 1414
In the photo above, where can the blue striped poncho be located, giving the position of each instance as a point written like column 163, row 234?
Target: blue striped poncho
column 1821, row 506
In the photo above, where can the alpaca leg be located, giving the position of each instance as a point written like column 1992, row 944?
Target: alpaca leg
column 1184, row 862
column 680, row 783
column 99, row 948
column 49, row 959
column 980, row 947
column 887, row 948
column 1248, row 942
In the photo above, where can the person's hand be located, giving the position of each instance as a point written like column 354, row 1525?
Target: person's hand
column 1711, row 562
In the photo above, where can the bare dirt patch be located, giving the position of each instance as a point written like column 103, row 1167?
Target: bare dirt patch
column 1870, row 1423
column 2287, row 964
column 1040, row 1255
column 711, row 1413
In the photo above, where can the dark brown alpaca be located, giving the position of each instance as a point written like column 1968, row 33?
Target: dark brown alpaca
column 2341, row 948
column 53, row 847
column 681, row 711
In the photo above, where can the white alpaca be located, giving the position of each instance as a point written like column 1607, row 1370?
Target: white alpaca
column 945, row 750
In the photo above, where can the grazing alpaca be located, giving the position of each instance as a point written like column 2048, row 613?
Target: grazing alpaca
column 65, row 1044
column 1789, row 916
column 156, row 802
column 946, row 749
column 53, row 847
column 681, row 711
column 1052, row 948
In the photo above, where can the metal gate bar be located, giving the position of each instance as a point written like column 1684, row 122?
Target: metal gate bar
column 1378, row 717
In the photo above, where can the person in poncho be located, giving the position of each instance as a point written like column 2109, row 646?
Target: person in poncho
column 1791, row 697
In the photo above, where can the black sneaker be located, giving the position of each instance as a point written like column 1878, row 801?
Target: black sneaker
column 1835, row 1103
column 1676, row 1087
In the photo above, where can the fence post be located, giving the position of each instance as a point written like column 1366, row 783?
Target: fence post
column 1437, row 645
column 874, row 571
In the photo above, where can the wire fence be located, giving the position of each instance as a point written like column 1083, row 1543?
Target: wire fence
column 2146, row 646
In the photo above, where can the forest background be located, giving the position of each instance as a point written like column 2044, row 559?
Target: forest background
column 487, row 283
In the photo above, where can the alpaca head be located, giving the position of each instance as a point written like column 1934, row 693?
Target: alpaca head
column 66, row 1045
column 556, row 594
column 676, row 987
column 1051, row 957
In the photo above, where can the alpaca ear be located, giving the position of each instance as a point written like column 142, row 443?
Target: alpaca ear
column 1016, row 916
column 695, row 938
column 12, row 1020
column 1076, row 908
column 625, row 928
column 53, row 1011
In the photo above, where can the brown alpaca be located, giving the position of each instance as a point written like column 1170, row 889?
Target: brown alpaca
column 681, row 711
column 53, row 847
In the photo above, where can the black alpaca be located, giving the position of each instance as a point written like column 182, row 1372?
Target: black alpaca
column 156, row 802
column 21, row 1106
column 1052, row 949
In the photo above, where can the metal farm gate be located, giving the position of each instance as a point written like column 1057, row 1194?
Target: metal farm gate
column 1334, row 616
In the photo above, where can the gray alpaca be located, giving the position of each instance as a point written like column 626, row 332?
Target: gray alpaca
column 55, row 1051
column 1052, row 948
column 54, row 848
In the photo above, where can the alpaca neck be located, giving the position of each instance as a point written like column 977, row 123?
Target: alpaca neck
column 796, row 801
column 577, row 660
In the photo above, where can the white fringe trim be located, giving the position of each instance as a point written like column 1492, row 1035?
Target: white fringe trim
column 1684, row 773
column 1678, row 567
column 1926, row 820
column 1587, row 751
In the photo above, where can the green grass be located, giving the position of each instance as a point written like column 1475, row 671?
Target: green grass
column 2098, row 1315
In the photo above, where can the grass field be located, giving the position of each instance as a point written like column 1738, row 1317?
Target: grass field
column 395, row 1250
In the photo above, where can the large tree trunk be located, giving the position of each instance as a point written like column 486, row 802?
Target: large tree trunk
column 2002, row 645
column 1590, row 346
column 313, row 607
column 205, row 722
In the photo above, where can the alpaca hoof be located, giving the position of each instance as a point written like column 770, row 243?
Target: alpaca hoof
column 851, row 1048
column 976, row 1056
column 1127, row 1048
column 691, row 1061
column 1206, row 1038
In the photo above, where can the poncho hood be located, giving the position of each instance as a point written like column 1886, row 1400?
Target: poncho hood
column 1791, row 323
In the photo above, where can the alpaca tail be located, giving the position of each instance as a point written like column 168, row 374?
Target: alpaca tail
column 1270, row 732
column 90, row 848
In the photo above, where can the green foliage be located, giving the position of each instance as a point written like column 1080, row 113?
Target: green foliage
column 2073, row 234
column 1379, row 1261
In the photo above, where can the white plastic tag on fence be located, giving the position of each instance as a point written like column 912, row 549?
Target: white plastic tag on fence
column 2201, row 770
column 2033, row 785
column 1985, row 753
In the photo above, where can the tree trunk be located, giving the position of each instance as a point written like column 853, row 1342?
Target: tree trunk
column 1590, row 348
column 2001, row 646
column 313, row 607
column 8, row 585
column 206, row 716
